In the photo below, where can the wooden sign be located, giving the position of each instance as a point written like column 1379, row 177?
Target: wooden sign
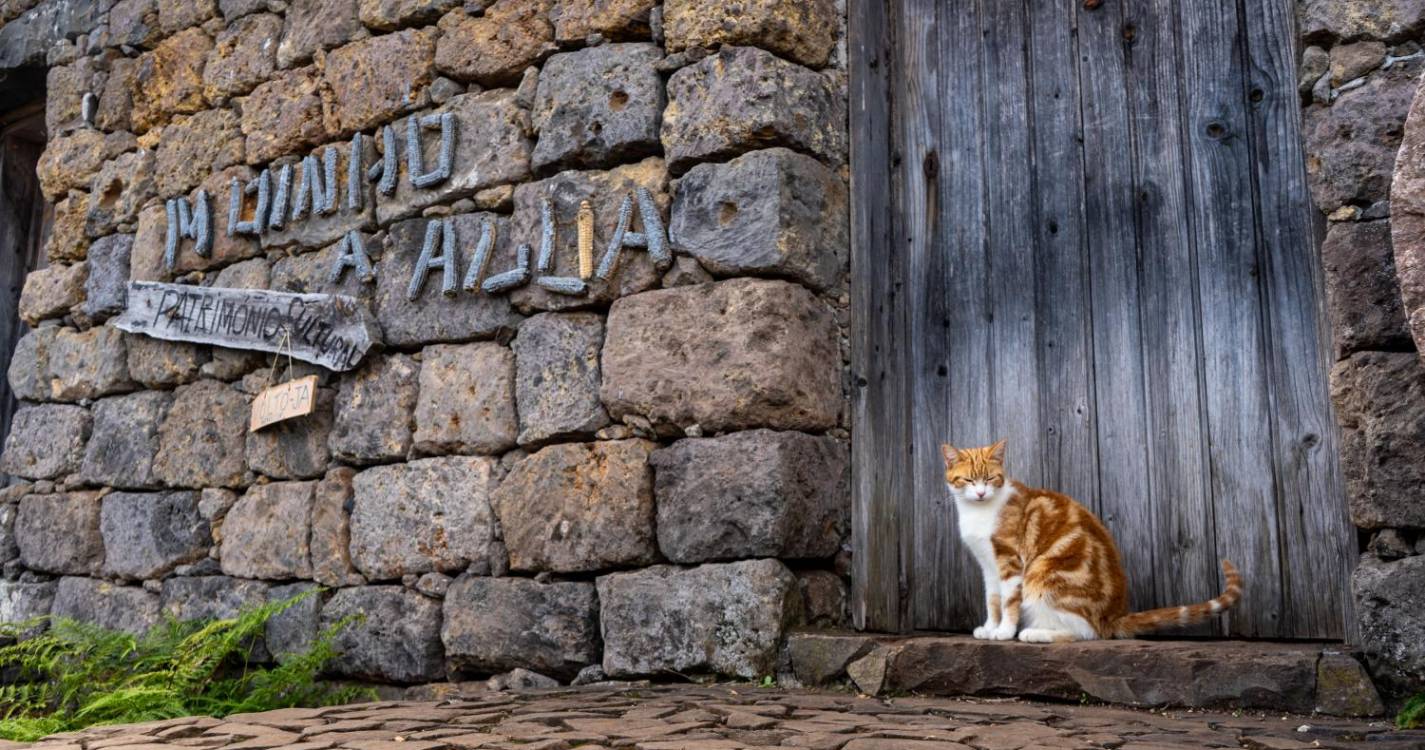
column 330, row 330
column 294, row 398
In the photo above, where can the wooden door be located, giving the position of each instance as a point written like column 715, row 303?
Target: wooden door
column 23, row 222
column 1085, row 227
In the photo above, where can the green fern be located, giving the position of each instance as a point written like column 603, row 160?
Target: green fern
column 1412, row 716
column 75, row 675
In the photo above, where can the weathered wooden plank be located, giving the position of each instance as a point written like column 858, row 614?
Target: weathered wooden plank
column 276, row 403
column 1223, row 214
column 1063, row 311
column 1318, row 542
column 1014, row 386
column 964, row 334
column 329, row 330
column 1181, row 501
column 918, row 126
column 877, row 333
column 1125, row 503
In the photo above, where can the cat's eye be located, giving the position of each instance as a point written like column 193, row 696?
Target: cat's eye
column 959, row 481
column 996, row 479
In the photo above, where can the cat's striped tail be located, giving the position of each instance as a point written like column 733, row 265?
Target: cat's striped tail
column 1130, row 625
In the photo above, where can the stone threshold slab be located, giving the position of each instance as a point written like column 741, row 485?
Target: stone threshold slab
column 1297, row 677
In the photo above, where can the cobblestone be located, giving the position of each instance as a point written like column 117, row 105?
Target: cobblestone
column 732, row 717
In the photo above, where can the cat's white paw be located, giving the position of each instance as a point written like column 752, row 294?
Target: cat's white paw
column 1004, row 632
column 1044, row 635
column 984, row 632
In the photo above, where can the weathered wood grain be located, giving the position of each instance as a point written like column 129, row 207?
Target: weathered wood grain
column 1224, row 216
column 1181, row 502
column 1125, row 497
column 1317, row 539
column 329, row 330
column 877, row 335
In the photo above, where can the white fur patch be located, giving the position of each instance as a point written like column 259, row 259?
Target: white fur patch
column 1039, row 614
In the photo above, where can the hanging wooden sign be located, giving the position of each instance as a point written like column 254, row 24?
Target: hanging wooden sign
column 329, row 330
column 294, row 398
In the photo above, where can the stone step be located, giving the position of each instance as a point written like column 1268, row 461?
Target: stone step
column 1297, row 677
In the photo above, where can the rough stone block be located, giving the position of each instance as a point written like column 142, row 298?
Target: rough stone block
column 294, row 630
column 1362, row 291
column 20, row 602
column 492, row 147
column 135, row 23
column 388, row 15
column 124, row 440
column 1343, row 688
column 557, row 377
column 65, row 87
column 9, row 511
column 1387, row 19
column 396, row 639
column 146, row 261
column 758, row 493
column 169, row 80
column 1389, row 599
column 598, row 106
column 621, row 20
column 88, row 364
column 34, row 29
column 467, row 400
column 267, row 533
column 244, row 55
column 778, row 103
column 106, row 286
column 28, row 374
column 331, row 530
column 294, row 448
column 202, row 440
column 314, row 25
column 116, row 100
column 766, row 213
column 176, row 15
column 374, row 410
column 194, row 147
column 821, row 658
column 1351, row 144
column 284, row 115
column 604, row 191
column 307, row 273
column 210, row 597
column 59, row 533
column 119, row 192
column 803, row 31
column 728, row 618
column 494, row 49
column 147, row 535
column 579, row 507
column 232, row 9
column 1380, row 404
column 731, row 355
column 49, row 292
column 156, row 363
column 427, row 515
column 433, row 317
column 67, row 241
column 498, row 624
column 127, row 608
column 376, row 79
column 71, row 161
column 46, row 441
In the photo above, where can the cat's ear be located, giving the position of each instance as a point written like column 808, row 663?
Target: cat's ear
column 950, row 453
column 997, row 450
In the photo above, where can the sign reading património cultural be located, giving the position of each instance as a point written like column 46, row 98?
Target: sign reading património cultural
column 329, row 330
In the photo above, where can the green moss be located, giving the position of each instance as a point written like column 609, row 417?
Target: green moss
column 1412, row 716
column 75, row 675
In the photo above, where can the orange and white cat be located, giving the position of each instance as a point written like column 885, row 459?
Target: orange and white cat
column 1049, row 559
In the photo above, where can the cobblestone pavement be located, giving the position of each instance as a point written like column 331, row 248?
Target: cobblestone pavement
column 729, row 718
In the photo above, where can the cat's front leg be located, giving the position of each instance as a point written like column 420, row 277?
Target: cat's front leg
column 992, row 600
column 1010, row 593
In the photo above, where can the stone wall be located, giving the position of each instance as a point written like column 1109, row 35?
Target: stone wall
column 647, row 478
column 1359, row 71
